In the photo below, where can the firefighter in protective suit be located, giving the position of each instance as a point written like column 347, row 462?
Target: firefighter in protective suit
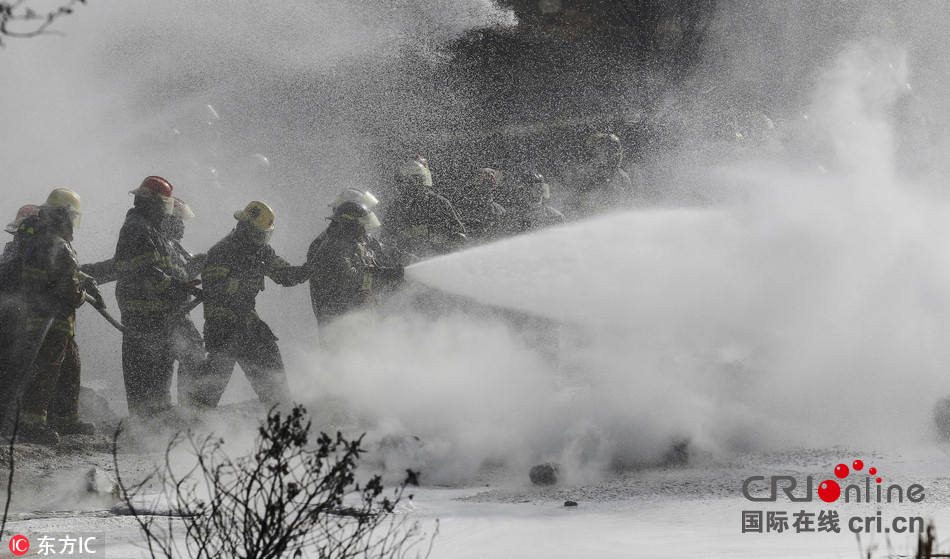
column 150, row 289
column 187, row 343
column 54, row 288
column 346, row 272
column 420, row 223
column 383, row 254
column 22, row 228
column 234, row 333
column 526, row 205
column 600, row 183
column 481, row 213
column 12, row 302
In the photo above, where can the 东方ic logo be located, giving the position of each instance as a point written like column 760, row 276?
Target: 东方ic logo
column 19, row 545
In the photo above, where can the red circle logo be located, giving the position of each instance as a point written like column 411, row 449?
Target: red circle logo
column 19, row 545
column 829, row 490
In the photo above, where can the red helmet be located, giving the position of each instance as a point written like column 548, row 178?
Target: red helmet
column 154, row 185
column 23, row 213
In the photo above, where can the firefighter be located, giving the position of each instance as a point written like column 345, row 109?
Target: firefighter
column 54, row 288
column 526, row 204
column 383, row 254
column 234, row 333
column 12, row 303
column 600, row 183
column 420, row 223
column 22, row 229
column 346, row 272
column 481, row 213
column 150, row 289
column 187, row 343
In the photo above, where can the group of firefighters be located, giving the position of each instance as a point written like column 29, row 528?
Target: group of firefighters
column 158, row 283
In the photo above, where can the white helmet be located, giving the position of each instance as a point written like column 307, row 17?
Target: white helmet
column 365, row 198
column 416, row 172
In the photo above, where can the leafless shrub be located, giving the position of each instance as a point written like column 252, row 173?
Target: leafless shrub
column 290, row 497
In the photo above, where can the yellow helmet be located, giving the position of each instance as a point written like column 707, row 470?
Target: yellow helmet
column 65, row 198
column 258, row 214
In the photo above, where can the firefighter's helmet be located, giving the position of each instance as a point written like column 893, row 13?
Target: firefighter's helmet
column 21, row 215
column 533, row 182
column 365, row 198
column 159, row 189
column 605, row 148
column 257, row 214
column 355, row 212
column 487, row 177
column 65, row 199
column 415, row 172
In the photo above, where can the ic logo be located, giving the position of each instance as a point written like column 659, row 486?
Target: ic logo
column 19, row 545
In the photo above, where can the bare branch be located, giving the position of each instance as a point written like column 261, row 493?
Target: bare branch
column 19, row 21
column 283, row 499
column 6, row 507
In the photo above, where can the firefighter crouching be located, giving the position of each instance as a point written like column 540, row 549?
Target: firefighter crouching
column 150, row 290
column 347, row 271
column 54, row 288
column 234, row 333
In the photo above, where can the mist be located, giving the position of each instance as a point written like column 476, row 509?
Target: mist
column 795, row 298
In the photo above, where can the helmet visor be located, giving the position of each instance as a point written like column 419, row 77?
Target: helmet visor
column 370, row 221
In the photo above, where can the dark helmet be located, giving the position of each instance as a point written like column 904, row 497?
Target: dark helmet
column 354, row 212
column 533, row 184
column 605, row 148
column 487, row 176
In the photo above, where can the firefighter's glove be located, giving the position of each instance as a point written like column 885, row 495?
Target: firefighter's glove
column 89, row 286
column 189, row 287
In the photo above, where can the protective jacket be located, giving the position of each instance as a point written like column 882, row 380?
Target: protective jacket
column 234, row 333
column 422, row 223
column 51, row 284
column 347, row 273
column 12, row 301
column 524, row 219
column 234, row 274
column 146, row 273
column 52, row 288
column 482, row 217
column 595, row 190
